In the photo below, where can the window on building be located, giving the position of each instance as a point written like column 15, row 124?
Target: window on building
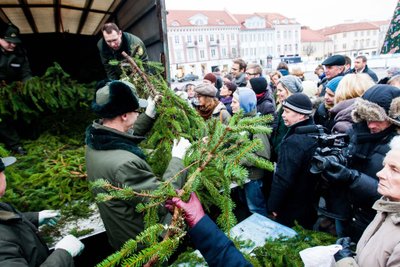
column 202, row 54
column 278, row 34
column 234, row 54
column 367, row 42
column 362, row 33
column 373, row 43
column 189, row 38
column 355, row 34
column 297, row 48
column 232, row 36
column 211, row 37
column 289, row 34
column 368, row 33
column 223, row 50
column 278, row 48
column 177, row 39
column 178, row 55
column 222, row 37
column 285, row 48
column 290, row 48
column 246, row 51
column 213, row 53
column 344, row 46
column 374, row 53
column 284, row 34
column 344, row 35
column 200, row 38
column 191, row 54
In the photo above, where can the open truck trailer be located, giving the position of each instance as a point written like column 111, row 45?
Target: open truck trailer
column 66, row 32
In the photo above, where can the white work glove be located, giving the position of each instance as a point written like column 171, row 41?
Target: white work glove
column 151, row 108
column 180, row 147
column 71, row 244
column 49, row 217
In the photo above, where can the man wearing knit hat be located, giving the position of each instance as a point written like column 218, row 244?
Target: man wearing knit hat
column 292, row 197
column 377, row 119
column 322, row 115
column 113, row 154
column 265, row 100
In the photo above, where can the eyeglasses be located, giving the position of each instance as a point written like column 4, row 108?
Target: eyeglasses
column 251, row 74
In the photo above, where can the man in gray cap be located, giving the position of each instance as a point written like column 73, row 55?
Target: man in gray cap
column 334, row 66
column 20, row 244
column 113, row 154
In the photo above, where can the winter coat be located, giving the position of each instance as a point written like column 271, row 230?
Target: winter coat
column 227, row 101
column 370, row 72
column 114, row 156
column 323, row 117
column 341, row 112
column 266, row 104
column 293, row 194
column 254, row 172
column 380, row 242
column 278, row 133
column 20, row 244
column 367, row 152
column 130, row 43
column 221, row 113
column 14, row 66
column 217, row 249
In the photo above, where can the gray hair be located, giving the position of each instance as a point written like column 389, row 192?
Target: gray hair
column 395, row 143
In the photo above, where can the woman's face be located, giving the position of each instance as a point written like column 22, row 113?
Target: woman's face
column 275, row 79
column 389, row 176
column 281, row 92
column 235, row 105
column 225, row 91
column 202, row 100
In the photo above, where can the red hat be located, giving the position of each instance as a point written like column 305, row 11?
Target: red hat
column 211, row 77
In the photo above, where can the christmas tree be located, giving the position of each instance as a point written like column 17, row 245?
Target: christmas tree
column 212, row 163
column 391, row 44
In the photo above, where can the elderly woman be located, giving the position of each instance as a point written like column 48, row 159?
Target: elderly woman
column 208, row 104
column 380, row 242
column 287, row 86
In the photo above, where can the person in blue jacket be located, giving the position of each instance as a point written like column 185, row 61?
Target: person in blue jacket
column 216, row 248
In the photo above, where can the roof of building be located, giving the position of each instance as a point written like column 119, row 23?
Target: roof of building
column 215, row 18
column 350, row 27
column 309, row 35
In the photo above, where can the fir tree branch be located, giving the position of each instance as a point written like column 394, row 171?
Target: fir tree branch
column 135, row 67
column 115, row 188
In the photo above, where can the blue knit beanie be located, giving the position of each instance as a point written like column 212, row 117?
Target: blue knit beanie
column 247, row 99
column 333, row 84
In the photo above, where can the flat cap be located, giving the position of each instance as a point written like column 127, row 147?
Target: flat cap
column 335, row 60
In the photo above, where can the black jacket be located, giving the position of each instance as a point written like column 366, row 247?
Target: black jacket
column 323, row 117
column 266, row 104
column 14, row 66
column 20, row 244
column 293, row 194
column 368, row 71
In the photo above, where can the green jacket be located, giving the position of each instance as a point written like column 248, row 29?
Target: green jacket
column 14, row 66
column 20, row 245
column 125, row 168
column 131, row 44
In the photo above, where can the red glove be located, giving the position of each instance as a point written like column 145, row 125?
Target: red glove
column 192, row 209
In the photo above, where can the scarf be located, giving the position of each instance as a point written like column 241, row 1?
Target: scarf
column 207, row 111
column 102, row 139
column 226, row 100
column 261, row 95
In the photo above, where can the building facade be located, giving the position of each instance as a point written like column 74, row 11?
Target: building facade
column 314, row 45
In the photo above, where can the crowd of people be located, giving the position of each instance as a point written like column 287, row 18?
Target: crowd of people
column 345, row 193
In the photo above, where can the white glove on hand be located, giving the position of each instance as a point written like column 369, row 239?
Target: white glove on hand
column 151, row 108
column 71, row 244
column 180, row 147
column 49, row 217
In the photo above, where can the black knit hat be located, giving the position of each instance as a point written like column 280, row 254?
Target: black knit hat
column 299, row 103
column 116, row 98
column 259, row 85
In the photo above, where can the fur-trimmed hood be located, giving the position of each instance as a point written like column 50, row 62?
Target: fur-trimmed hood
column 379, row 103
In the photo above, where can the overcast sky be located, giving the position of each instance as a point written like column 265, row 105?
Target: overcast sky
column 314, row 13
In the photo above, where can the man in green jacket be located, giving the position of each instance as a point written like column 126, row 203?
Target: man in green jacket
column 113, row 43
column 14, row 66
column 20, row 244
column 113, row 154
